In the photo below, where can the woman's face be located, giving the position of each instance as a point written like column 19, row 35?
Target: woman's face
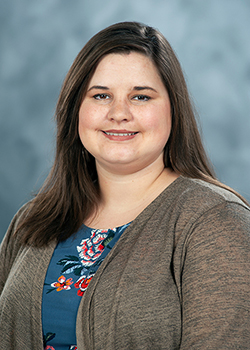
column 125, row 117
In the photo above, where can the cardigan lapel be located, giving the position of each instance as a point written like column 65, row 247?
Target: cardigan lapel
column 84, row 324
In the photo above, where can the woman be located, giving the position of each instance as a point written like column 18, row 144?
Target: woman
column 132, row 243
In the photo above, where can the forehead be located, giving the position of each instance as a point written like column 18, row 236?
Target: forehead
column 126, row 66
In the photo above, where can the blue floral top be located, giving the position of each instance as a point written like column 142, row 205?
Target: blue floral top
column 72, row 266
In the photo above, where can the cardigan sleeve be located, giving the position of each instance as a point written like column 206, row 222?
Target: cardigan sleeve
column 216, row 280
column 9, row 248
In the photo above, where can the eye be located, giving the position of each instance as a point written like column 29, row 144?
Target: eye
column 101, row 97
column 142, row 98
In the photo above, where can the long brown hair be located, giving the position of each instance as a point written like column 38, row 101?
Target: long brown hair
column 71, row 193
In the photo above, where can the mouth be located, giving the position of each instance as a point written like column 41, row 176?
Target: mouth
column 120, row 133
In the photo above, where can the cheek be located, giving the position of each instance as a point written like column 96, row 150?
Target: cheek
column 84, row 119
column 158, row 119
column 81, row 130
column 82, row 125
column 89, row 116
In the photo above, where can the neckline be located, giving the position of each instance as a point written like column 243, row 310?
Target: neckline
column 106, row 229
column 180, row 178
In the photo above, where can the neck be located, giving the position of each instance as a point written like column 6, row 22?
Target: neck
column 123, row 197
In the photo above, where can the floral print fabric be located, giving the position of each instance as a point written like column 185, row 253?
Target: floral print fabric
column 71, row 269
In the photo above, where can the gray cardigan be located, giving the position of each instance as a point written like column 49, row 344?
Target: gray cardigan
column 178, row 278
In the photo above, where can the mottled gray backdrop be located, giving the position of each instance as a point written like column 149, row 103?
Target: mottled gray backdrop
column 40, row 39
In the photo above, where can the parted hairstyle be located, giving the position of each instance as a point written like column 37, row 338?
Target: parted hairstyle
column 70, row 194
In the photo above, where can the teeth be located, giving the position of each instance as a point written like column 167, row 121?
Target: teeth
column 120, row 134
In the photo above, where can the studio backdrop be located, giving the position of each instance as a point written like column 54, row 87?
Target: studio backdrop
column 40, row 39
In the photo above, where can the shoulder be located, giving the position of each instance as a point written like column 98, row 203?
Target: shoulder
column 200, row 196
column 186, row 200
column 209, row 211
column 10, row 245
column 15, row 222
column 190, row 204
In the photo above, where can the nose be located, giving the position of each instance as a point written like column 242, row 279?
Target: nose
column 119, row 111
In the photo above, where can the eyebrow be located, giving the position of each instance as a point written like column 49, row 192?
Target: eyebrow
column 99, row 87
column 137, row 88
column 140, row 88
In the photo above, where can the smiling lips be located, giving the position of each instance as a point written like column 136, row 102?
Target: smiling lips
column 119, row 135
